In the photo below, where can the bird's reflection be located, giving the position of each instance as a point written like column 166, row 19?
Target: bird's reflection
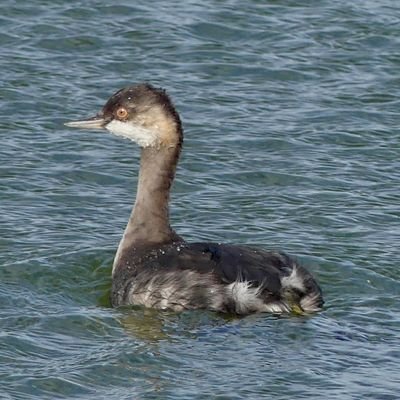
column 152, row 325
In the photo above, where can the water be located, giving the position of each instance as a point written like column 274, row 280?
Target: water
column 291, row 115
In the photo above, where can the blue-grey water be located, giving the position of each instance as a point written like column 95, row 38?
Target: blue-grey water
column 292, row 131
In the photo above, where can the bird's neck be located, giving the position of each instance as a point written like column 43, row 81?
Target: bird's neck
column 148, row 224
column 150, row 217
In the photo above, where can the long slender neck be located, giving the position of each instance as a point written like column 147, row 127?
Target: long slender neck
column 149, row 221
column 148, row 224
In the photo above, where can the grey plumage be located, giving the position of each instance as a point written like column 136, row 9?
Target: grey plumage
column 208, row 275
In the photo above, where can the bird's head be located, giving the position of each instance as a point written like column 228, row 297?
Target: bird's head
column 142, row 113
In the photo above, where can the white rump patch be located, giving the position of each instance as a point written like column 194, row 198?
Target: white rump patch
column 294, row 280
column 142, row 136
column 311, row 302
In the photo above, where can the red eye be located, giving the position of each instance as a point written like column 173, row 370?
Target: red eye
column 122, row 113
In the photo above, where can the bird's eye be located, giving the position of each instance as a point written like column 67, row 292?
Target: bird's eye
column 122, row 113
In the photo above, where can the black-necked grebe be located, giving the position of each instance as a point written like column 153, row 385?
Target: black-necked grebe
column 154, row 266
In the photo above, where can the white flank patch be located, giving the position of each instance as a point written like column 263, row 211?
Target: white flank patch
column 142, row 136
column 245, row 297
column 294, row 280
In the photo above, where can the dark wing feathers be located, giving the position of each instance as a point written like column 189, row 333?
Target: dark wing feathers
column 228, row 263
column 241, row 263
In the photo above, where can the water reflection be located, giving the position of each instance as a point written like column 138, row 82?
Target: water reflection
column 150, row 325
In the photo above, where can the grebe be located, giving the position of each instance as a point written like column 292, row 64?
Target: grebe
column 154, row 266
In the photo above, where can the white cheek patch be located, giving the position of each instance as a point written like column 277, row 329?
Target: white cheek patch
column 142, row 136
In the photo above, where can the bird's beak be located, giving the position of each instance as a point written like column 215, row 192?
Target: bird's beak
column 96, row 122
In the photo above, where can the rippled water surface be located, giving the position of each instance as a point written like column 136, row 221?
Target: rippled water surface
column 291, row 117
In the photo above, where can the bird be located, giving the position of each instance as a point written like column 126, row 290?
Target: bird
column 154, row 266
